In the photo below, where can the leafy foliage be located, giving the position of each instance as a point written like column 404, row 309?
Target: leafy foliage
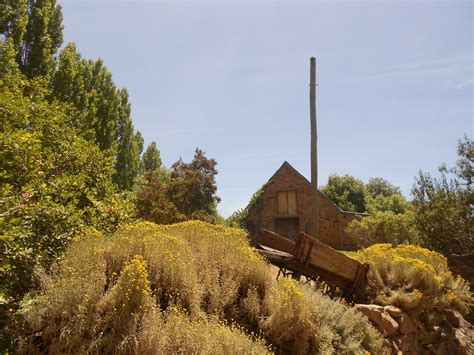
column 241, row 218
column 395, row 203
column 151, row 159
column 185, row 287
column 186, row 192
column 347, row 192
column 353, row 195
column 35, row 27
column 54, row 183
column 413, row 278
column 98, row 109
column 152, row 202
column 193, row 187
column 444, row 207
column 379, row 186
column 439, row 217
column 384, row 227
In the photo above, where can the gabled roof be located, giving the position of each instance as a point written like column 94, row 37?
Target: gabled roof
column 288, row 165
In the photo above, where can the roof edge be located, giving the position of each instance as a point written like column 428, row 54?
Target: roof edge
column 285, row 163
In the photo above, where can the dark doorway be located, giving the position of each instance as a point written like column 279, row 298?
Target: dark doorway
column 287, row 227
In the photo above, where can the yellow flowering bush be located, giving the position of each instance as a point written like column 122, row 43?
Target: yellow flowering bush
column 190, row 287
column 302, row 321
column 174, row 331
column 413, row 278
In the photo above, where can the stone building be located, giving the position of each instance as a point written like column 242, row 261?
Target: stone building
column 284, row 207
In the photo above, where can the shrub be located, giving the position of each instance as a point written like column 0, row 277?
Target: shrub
column 187, row 287
column 174, row 331
column 383, row 227
column 302, row 321
column 395, row 203
column 413, row 278
column 241, row 217
column 443, row 205
column 152, row 202
column 347, row 192
column 53, row 183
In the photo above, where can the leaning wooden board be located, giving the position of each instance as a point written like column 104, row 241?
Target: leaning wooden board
column 276, row 241
column 312, row 258
column 310, row 251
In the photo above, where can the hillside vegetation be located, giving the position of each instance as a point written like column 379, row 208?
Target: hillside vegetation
column 413, row 278
column 187, row 287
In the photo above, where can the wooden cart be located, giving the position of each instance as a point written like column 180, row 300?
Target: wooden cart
column 311, row 258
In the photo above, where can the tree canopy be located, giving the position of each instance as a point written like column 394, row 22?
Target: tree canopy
column 151, row 159
column 67, row 145
column 379, row 186
column 53, row 182
column 444, row 206
column 351, row 194
column 193, row 185
column 95, row 106
column 35, row 28
column 347, row 192
column 186, row 191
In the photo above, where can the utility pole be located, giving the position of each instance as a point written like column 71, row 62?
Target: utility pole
column 315, row 230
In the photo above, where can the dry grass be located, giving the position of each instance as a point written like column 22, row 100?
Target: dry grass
column 414, row 279
column 190, row 287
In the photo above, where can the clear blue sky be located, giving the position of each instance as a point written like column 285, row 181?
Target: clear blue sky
column 395, row 81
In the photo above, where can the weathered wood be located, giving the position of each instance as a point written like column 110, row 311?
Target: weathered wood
column 311, row 258
column 311, row 251
column 276, row 241
column 278, row 258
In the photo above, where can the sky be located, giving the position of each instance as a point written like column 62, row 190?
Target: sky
column 394, row 94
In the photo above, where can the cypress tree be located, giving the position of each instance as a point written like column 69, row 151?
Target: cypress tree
column 151, row 159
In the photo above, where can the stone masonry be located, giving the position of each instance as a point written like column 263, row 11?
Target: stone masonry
column 332, row 218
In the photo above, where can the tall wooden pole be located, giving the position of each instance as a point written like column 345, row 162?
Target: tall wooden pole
column 314, row 152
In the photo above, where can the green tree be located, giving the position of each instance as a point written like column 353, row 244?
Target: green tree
column 100, row 110
column 129, row 145
column 395, row 203
column 95, row 105
column 53, row 184
column 151, row 159
column 193, row 187
column 347, row 192
column 464, row 168
column 379, row 186
column 444, row 206
column 13, row 21
column 152, row 201
column 10, row 76
column 384, row 196
column 35, row 26
column 383, row 227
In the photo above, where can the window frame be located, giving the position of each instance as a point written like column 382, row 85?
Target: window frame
column 288, row 211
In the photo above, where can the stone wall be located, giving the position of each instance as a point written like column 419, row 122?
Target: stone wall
column 333, row 220
column 464, row 265
column 444, row 332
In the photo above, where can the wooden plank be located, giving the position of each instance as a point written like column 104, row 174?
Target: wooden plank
column 324, row 257
column 275, row 251
column 279, row 259
column 292, row 202
column 311, row 258
column 328, row 277
column 276, row 241
column 282, row 202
